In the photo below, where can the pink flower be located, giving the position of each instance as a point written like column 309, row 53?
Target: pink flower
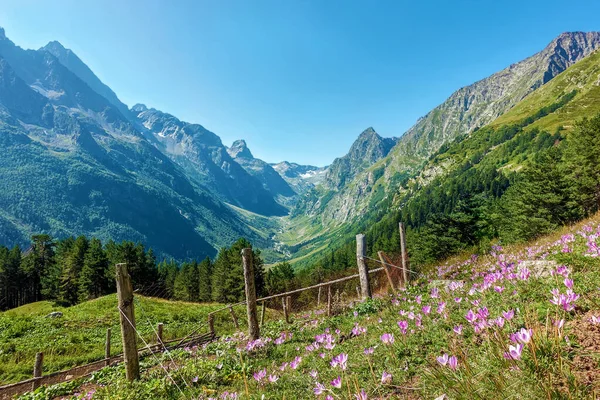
column 452, row 363
column 387, row 338
column 435, row 293
column 313, row 374
column 361, row 396
column 443, row 359
column 369, row 351
column 195, row 379
column 569, row 283
column 524, row 335
column 273, row 378
column 426, row 309
column 386, row 378
column 319, row 389
column 340, row 360
column 514, row 352
column 260, row 375
column 471, row 316
column 403, row 325
column 337, row 382
column 294, row 364
column 594, row 320
column 508, row 315
column 458, row 329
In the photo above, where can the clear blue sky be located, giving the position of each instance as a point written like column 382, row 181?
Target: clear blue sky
column 299, row 80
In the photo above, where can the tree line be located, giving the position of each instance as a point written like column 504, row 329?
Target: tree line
column 73, row 270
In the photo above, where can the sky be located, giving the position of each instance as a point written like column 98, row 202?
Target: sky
column 299, row 80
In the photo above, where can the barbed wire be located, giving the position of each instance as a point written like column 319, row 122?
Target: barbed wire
column 151, row 352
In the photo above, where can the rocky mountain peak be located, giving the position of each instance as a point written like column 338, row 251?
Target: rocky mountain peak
column 2, row 33
column 138, row 108
column 239, row 149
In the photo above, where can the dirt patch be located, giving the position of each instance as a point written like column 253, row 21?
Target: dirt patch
column 586, row 364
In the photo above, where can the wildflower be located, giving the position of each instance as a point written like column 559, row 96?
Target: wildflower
column 559, row 324
column 361, row 396
column 458, row 329
column 403, row 325
column 283, row 366
column 594, row 320
column 319, row 389
column 260, row 375
column 313, row 374
column 452, row 363
column 337, row 382
column 441, row 307
column 524, row 274
column 471, row 316
column 568, row 283
column 524, row 335
column 195, row 379
column 386, row 378
column 387, row 338
column 443, row 359
column 435, row 293
column 458, row 299
column 340, row 360
column 426, row 309
column 294, row 364
column 273, row 378
column 369, row 351
column 514, row 352
column 508, row 315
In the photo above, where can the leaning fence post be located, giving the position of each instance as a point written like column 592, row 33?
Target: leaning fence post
column 386, row 268
column 37, row 370
column 234, row 317
column 363, row 272
column 404, row 254
column 262, row 314
column 285, row 310
column 329, row 300
column 127, row 317
column 253, row 328
column 107, row 348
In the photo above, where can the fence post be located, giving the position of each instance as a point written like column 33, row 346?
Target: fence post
column 329, row 300
column 262, row 314
column 365, row 288
column 288, row 300
column 107, row 347
column 319, row 297
column 253, row 328
column 127, row 317
column 234, row 317
column 386, row 268
column 159, row 333
column 285, row 310
column 358, row 292
column 404, row 254
column 37, row 370
column 211, row 324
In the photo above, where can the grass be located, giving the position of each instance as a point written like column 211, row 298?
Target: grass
column 556, row 362
column 78, row 336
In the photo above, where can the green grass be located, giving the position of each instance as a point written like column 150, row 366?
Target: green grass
column 79, row 336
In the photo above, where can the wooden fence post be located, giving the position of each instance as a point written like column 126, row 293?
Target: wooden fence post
column 285, row 310
column 234, row 317
column 127, row 317
column 288, row 300
column 329, row 300
column 211, row 324
column 363, row 272
column 386, row 267
column 358, row 292
column 262, row 314
column 253, row 328
column 159, row 333
column 107, row 347
column 37, row 370
column 319, row 297
column 404, row 254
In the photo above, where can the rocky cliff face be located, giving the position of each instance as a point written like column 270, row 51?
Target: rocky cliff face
column 262, row 171
column 300, row 177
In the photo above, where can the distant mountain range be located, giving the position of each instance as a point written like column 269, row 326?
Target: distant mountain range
column 76, row 160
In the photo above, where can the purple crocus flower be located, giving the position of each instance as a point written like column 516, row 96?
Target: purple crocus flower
column 369, row 351
column 452, row 363
column 273, row 378
column 443, row 359
column 260, row 375
column 471, row 316
column 426, row 309
column 319, row 389
column 387, row 338
column 386, row 378
column 337, row 382
column 514, row 352
column 458, row 329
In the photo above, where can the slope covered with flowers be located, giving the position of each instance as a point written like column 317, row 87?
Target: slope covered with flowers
column 516, row 323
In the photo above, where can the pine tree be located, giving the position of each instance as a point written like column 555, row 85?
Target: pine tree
column 92, row 279
column 69, row 281
column 205, row 270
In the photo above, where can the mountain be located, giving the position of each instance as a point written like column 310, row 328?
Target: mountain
column 349, row 197
column 262, row 171
column 73, row 164
column 300, row 177
column 74, row 64
column 205, row 159
column 364, row 152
